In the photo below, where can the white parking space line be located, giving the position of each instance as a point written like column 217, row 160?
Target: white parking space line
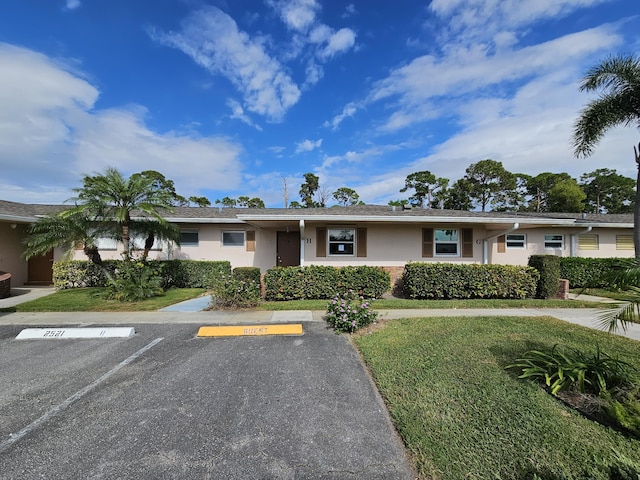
column 15, row 437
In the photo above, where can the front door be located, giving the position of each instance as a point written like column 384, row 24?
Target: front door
column 41, row 269
column 288, row 254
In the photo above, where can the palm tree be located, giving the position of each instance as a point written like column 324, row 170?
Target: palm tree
column 110, row 198
column 618, row 80
column 64, row 231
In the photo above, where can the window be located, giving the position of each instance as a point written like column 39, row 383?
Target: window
column 233, row 239
column 138, row 243
column 516, row 240
column 104, row 243
column 341, row 241
column 624, row 242
column 554, row 241
column 446, row 242
column 588, row 242
column 188, row 238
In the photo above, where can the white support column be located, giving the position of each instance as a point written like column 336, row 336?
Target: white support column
column 302, row 242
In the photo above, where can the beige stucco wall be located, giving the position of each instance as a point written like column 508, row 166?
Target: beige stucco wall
column 11, row 253
column 387, row 245
column 535, row 245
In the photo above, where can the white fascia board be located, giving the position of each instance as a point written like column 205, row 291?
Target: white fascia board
column 604, row 225
column 205, row 220
column 17, row 218
column 407, row 219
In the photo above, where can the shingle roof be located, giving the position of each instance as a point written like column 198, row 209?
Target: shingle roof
column 22, row 212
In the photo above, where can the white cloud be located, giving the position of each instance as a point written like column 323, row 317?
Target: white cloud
column 238, row 113
column 298, row 15
column 339, row 42
column 472, row 70
column 308, row 145
column 51, row 133
column 349, row 110
column 72, row 4
column 212, row 39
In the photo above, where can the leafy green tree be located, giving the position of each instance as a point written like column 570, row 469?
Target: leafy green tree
column 308, row 190
column 424, row 184
column 295, row 204
column 200, row 201
column 111, row 200
column 608, row 192
column 538, row 189
column 566, row 196
column 489, row 183
column 346, row 196
column 247, row 202
column 617, row 79
column 227, row 202
column 457, row 197
column 398, row 203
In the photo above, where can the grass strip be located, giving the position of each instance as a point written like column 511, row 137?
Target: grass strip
column 90, row 300
column 462, row 415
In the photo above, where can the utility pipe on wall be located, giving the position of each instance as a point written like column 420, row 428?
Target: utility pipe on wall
column 302, row 242
column 485, row 243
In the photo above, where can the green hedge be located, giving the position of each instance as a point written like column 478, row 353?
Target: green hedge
column 461, row 281
column 247, row 273
column 324, row 282
column 588, row 272
column 174, row 273
column 549, row 268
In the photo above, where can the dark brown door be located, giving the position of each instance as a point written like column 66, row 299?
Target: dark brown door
column 41, row 269
column 288, row 254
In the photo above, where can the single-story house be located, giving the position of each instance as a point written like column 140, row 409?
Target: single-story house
column 358, row 235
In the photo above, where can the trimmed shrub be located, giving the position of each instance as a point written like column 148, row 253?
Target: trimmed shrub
column 549, row 268
column 463, row 281
column 236, row 292
column 247, row 273
column 324, row 282
column 173, row 273
column 588, row 272
column 135, row 281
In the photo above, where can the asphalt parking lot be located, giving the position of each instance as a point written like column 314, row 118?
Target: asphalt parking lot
column 166, row 404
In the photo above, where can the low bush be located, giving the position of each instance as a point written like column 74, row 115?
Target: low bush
column 247, row 273
column 549, row 268
column 587, row 272
column 173, row 273
column 324, row 282
column 348, row 312
column 134, row 281
column 465, row 281
column 236, row 292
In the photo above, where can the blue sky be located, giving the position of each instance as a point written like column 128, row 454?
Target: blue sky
column 235, row 97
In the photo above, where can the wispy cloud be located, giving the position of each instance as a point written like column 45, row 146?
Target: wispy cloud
column 308, row 145
column 349, row 110
column 238, row 113
column 72, row 4
column 212, row 39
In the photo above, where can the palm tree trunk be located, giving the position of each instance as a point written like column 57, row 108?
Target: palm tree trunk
column 636, row 207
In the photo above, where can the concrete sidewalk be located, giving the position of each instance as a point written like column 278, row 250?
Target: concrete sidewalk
column 190, row 312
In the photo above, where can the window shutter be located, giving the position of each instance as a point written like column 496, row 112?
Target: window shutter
column 427, row 242
column 467, row 242
column 251, row 241
column 624, row 242
column 502, row 244
column 321, row 242
column 361, row 237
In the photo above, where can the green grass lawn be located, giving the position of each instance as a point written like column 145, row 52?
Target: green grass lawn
column 398, row 303
column 89, row 300
column 462, row 416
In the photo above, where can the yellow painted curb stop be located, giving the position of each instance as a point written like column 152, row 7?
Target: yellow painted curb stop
column 250, row 330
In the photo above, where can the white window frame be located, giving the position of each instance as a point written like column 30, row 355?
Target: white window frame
column 233, row 245
column 516, row 244
column 190, row 244
column 546, row 241
column 437, row 242
column 106, row 243
column 341, row 243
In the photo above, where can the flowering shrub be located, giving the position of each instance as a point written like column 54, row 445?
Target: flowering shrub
column 236, row 292
column 348, row 312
